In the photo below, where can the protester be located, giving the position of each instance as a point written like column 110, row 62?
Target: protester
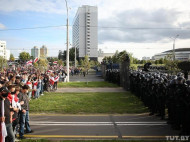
column 24, row 113
column 16, row 87
column 6, row 116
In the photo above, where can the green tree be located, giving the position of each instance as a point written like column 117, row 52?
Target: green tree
column 35, row 65
column 24, row 56
column 31, row 57
column 60, row 55
column 3, row 63
column 12, row 58
column 156, row 62
column 51, row 60
column 135, row 61
column 142, row 62
column 43, row 64
column 115, row 57
column 85, row 63
column 161, row 61
column 60, row 62
column 63, row 54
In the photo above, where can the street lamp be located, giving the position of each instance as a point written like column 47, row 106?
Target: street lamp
column 75, row 57
column 174, row 46
column 67, row 60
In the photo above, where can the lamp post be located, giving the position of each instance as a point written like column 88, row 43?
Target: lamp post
column 174, row 46
column 75, row 57
column 67, row 59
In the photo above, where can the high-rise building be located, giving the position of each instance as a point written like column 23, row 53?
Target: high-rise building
column 8, row 53
column 35, row 52
column 3, row 49
column 43, row 52
column 85, row 31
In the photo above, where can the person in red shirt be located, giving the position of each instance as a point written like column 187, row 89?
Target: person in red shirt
column 56, row 80
column 15, row 104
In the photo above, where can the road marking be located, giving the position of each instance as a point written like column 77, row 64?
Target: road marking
column 48, row 123
column 82, row 136
column 154, row 137
column 67, row 136
column 72, row 124
column 97, row 124
column 140, row 124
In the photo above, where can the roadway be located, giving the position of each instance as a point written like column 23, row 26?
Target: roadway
column 137, row 126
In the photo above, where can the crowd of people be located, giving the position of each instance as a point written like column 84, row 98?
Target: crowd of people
column 17, row 87
column 167, row 96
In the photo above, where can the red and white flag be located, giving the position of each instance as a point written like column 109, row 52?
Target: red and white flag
column 36, row 59
column 3, row 127
column 61, row 67
column 29, row 62
column 55, row 62
column 50, row 71
column 56, row 79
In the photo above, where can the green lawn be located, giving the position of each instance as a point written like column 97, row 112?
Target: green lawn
column 84, row 84
column 87, row 103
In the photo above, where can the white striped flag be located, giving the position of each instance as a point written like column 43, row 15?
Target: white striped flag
column 29, row 62
column 36, row 59
column 50, row 71
column 55, row 62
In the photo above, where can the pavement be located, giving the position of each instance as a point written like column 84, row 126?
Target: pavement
column 83, row 90
column 134, row 126
column 90, row 77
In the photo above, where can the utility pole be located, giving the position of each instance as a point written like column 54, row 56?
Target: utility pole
column 75, row 57
column 67, row 60
column 174, row 47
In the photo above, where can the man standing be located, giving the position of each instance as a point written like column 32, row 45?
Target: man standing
column 5, row 116
column 24, row 113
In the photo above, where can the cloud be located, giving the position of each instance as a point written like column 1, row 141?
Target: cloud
column 140, row 25
column 50, row 6
column 2, row 26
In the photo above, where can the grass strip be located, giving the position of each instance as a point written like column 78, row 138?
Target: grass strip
column 87, row 103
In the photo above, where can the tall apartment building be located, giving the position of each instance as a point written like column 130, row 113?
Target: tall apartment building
column 43, row 52
column 3, row 49
column 85, row 31
column 35, row 52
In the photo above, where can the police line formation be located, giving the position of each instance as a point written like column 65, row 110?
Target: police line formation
column 166, row 96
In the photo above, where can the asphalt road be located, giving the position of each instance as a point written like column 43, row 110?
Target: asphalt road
column 105, row 89
column 90, row 77
column 99, row 127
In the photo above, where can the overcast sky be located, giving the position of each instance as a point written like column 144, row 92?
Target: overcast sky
column 142, row 27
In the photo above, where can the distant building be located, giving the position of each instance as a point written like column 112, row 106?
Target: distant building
column 145, row 58
column 43, row 52
column 35, row 52
column 182, row 54
column 85, row 31
column 8, row 53
column 101, row 55
column 3, row 50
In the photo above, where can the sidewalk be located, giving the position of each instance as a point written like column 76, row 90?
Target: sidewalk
column 81, row 90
